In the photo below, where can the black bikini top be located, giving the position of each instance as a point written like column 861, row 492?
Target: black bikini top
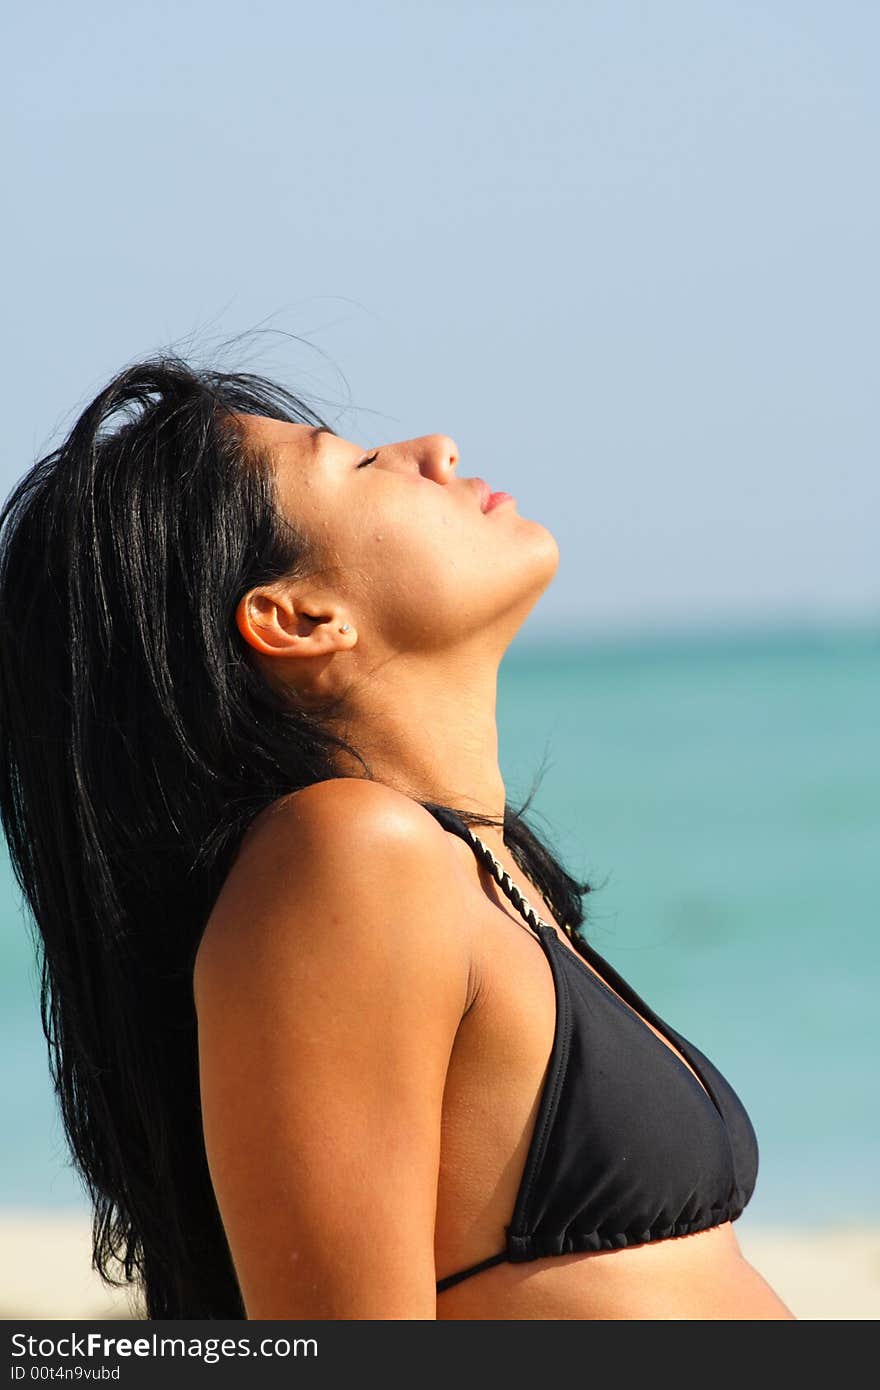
column 628, row 1147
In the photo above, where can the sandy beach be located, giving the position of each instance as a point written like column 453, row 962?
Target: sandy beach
column 45, row 1272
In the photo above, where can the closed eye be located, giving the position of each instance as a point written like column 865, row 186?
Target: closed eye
column 371, row 459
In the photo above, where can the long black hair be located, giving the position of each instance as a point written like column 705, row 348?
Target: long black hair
column 137, row 743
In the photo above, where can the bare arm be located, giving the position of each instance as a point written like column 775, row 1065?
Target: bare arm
column 329, row 988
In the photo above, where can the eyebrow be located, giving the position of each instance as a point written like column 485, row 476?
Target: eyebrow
column 313, row 438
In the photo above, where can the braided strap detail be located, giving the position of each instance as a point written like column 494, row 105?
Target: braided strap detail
column 506, row 883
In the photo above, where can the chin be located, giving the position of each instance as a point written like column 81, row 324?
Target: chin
column 537, row 563
column 546, row 551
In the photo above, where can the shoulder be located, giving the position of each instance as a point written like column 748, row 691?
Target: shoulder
column 345, row 861
column 344, row 810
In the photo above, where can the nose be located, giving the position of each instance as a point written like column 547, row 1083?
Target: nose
column 437, row 455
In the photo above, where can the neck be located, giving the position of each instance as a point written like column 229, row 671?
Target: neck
column 430, row 732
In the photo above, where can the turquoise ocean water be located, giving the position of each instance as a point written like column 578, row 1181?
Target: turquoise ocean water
column 722, row 794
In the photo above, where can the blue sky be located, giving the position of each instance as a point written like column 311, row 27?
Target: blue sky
column 624, row 253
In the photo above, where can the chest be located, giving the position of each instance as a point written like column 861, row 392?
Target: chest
column 505, row 1068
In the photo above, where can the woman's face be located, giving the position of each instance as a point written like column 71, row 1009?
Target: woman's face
column 403, row 541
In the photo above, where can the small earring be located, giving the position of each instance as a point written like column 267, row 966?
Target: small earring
column 346, row 627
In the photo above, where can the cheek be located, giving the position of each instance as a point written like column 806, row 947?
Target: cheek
column 418, row 578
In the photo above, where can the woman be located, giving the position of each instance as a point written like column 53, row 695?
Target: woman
column 327, row 1040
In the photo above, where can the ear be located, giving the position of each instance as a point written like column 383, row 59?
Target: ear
column 278, row 622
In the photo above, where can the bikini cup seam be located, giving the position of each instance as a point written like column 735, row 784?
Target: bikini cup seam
column 596, row 979
column 559, row 1058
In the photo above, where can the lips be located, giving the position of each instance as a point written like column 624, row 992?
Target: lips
column 485, row 492
column 496, row 499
